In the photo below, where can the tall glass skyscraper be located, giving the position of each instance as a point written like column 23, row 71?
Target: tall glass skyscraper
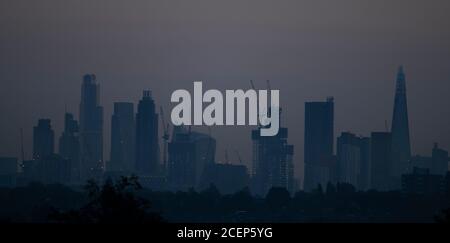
column 91, row 129
column 122, row 138
column 318, row 147
column 147, row 147
column 401, row 148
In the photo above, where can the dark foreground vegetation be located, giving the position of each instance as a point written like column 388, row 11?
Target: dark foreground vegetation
column 124, row 201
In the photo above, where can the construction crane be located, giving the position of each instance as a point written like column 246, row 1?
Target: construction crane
column 165, row 137
column 238, row 156
column 253, row 85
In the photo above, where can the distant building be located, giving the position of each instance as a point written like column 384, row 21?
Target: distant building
column 353, row 160
column 147, row 146
column 122, row 138
column 439, row 160
column 381, row 169
column 43, row 139
column 48, row 170
column 91, row 129
column 420, row 161
column 69, row 146
column 189, row 153
column 318, row 146
column 437, row 164
column 420, row 181
column 8, row 171
column 272, row 162
column 227, row 178
column 401, row 148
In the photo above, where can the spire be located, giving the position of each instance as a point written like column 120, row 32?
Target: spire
column 401, row 148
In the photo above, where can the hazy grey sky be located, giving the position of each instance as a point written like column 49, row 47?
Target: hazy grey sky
column 349, row 49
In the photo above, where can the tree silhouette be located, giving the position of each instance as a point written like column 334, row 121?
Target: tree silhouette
column 112, row 203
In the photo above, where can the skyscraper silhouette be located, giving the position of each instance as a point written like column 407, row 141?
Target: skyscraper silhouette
column 122, row 138
column 189, row 154
column 43, row 139
column 401, row 148
column 69, row 145
column 272, row 162
column 353, row 160
column 381, row 159
column 147, row 147
column 318, row 147
column 91, row 129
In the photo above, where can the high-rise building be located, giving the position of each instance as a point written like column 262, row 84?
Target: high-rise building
column 147, row 146
column 91, row 129
column 272, row 162
column 439, row 160
column 401, row 148
column 353, row 160
column 69, row 146
column 43, row 139
column 318, row 146
column 122, row 138
column 381, row 161
column 189, row 154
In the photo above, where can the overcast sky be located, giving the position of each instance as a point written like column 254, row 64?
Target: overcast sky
column 308, row 49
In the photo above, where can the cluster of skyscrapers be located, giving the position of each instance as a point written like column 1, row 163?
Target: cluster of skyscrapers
column 381, row 161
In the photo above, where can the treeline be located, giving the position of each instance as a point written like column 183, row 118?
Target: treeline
column 125, row 201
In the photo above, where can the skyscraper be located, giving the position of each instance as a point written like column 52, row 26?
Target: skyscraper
column 43, row 139
column 439, row 161
column 353, row 160
column 189, row 154
column 122, row 138
column 381, row 171
column 401, row 148
column 272, row 162
column 69, row 146
column 91, row 129
column 318, row 147
column 147, row 147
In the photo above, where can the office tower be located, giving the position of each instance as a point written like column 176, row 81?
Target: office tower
column 353, row 160
column 349, row 158
column 439, row 160
column 43, row 139
column 122, row 138
column 69, row 146
column 8, row 171
column 381, row 171
column 401, row 150
column 91, row 129
column 318, row 146
column 366, row 164
column 147, row 147
column 189, row 154
column 272, row 162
